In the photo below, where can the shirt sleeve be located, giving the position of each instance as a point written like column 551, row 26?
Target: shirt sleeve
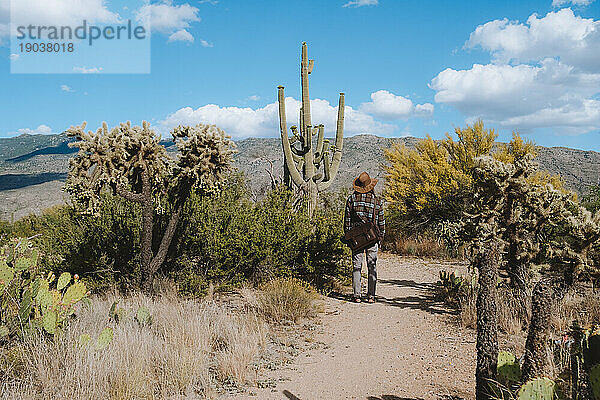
column 347, row 215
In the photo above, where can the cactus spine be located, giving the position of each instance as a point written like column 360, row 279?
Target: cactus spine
column 301, row 164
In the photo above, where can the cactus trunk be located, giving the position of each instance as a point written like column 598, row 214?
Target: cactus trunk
column 487, row 321
column 538, row 359
column 301, row 165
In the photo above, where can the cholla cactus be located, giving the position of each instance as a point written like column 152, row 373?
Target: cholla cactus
column 131, row 161
column 301, row 164
column 508, row 209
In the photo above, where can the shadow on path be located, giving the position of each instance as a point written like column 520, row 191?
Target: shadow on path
column 18, row 181
column 424, row 286
column 290, row 395
column 391, row 397
column 423, row 300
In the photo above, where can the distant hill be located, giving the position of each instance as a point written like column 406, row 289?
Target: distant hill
column 32, row 167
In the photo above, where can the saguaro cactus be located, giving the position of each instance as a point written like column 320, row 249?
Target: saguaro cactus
column 303, row 162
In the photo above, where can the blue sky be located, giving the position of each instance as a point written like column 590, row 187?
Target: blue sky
column 407, row 68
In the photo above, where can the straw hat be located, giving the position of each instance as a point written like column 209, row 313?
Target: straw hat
column 364, row 183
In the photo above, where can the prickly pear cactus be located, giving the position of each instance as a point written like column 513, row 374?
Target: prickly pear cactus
column 63, row 280
column 592, row 348
column 49, row 322
column 116, row 313
column 44, row 298
column 595, row 380
column 508, row 367
column 7, row 274
column 30, row 302
column 106, row 336
column 537, row 389
column 84, row 340
column 143, row 316
column 74, row 293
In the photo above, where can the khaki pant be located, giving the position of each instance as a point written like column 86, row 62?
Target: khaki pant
column 357, row 262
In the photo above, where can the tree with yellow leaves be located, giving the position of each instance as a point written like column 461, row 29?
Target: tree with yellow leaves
column 432, row 185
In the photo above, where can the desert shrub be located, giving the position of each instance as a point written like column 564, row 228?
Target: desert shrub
column 451, row 287
column 287, row 299
column 192, row 349
column 230, row 239
column 102, row 249
column 434, row 182
column 224, row 240
column 591, row 200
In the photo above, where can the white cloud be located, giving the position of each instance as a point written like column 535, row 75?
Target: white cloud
column 561, row 34
column 14, row 57
column 254, row 97
column 40, row 130
column 361, row 3
column 181, row 35
column 522, row 96
column 204, row 43
column 166, row 18
column 66, row 88
column 85, row 70
column 388, row 106
column 560, row 3
column 245, row 122
column 543, row 74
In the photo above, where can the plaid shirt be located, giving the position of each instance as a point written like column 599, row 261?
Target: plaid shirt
column 365, row 205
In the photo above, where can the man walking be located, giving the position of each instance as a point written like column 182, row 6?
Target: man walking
column 363, row 205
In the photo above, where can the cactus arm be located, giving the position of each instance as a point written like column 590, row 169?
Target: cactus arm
column 326, row 167
column 295, row 151
column 321, row 139
column 339, row 142
column 305, row 95
column 300, row 165
column 311, row 64
column 287, row 148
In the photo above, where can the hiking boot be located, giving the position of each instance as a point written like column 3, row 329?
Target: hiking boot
column 371, row 299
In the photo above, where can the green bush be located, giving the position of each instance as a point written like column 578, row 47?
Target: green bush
column 229, row 239
column 103, row 249
column 225, row 239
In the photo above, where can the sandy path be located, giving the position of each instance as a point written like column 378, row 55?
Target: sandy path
column 401, row 348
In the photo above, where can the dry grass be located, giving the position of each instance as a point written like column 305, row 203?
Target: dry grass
column 583, row 307
column 419, row 246
column 190, row 351
column 513, row 313
column 287, row 299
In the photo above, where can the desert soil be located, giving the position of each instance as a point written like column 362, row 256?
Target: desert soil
column 404, row 347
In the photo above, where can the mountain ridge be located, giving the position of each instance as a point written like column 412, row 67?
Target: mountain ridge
column 32, row 167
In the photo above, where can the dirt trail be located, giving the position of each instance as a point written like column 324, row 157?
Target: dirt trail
column 401, row 348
